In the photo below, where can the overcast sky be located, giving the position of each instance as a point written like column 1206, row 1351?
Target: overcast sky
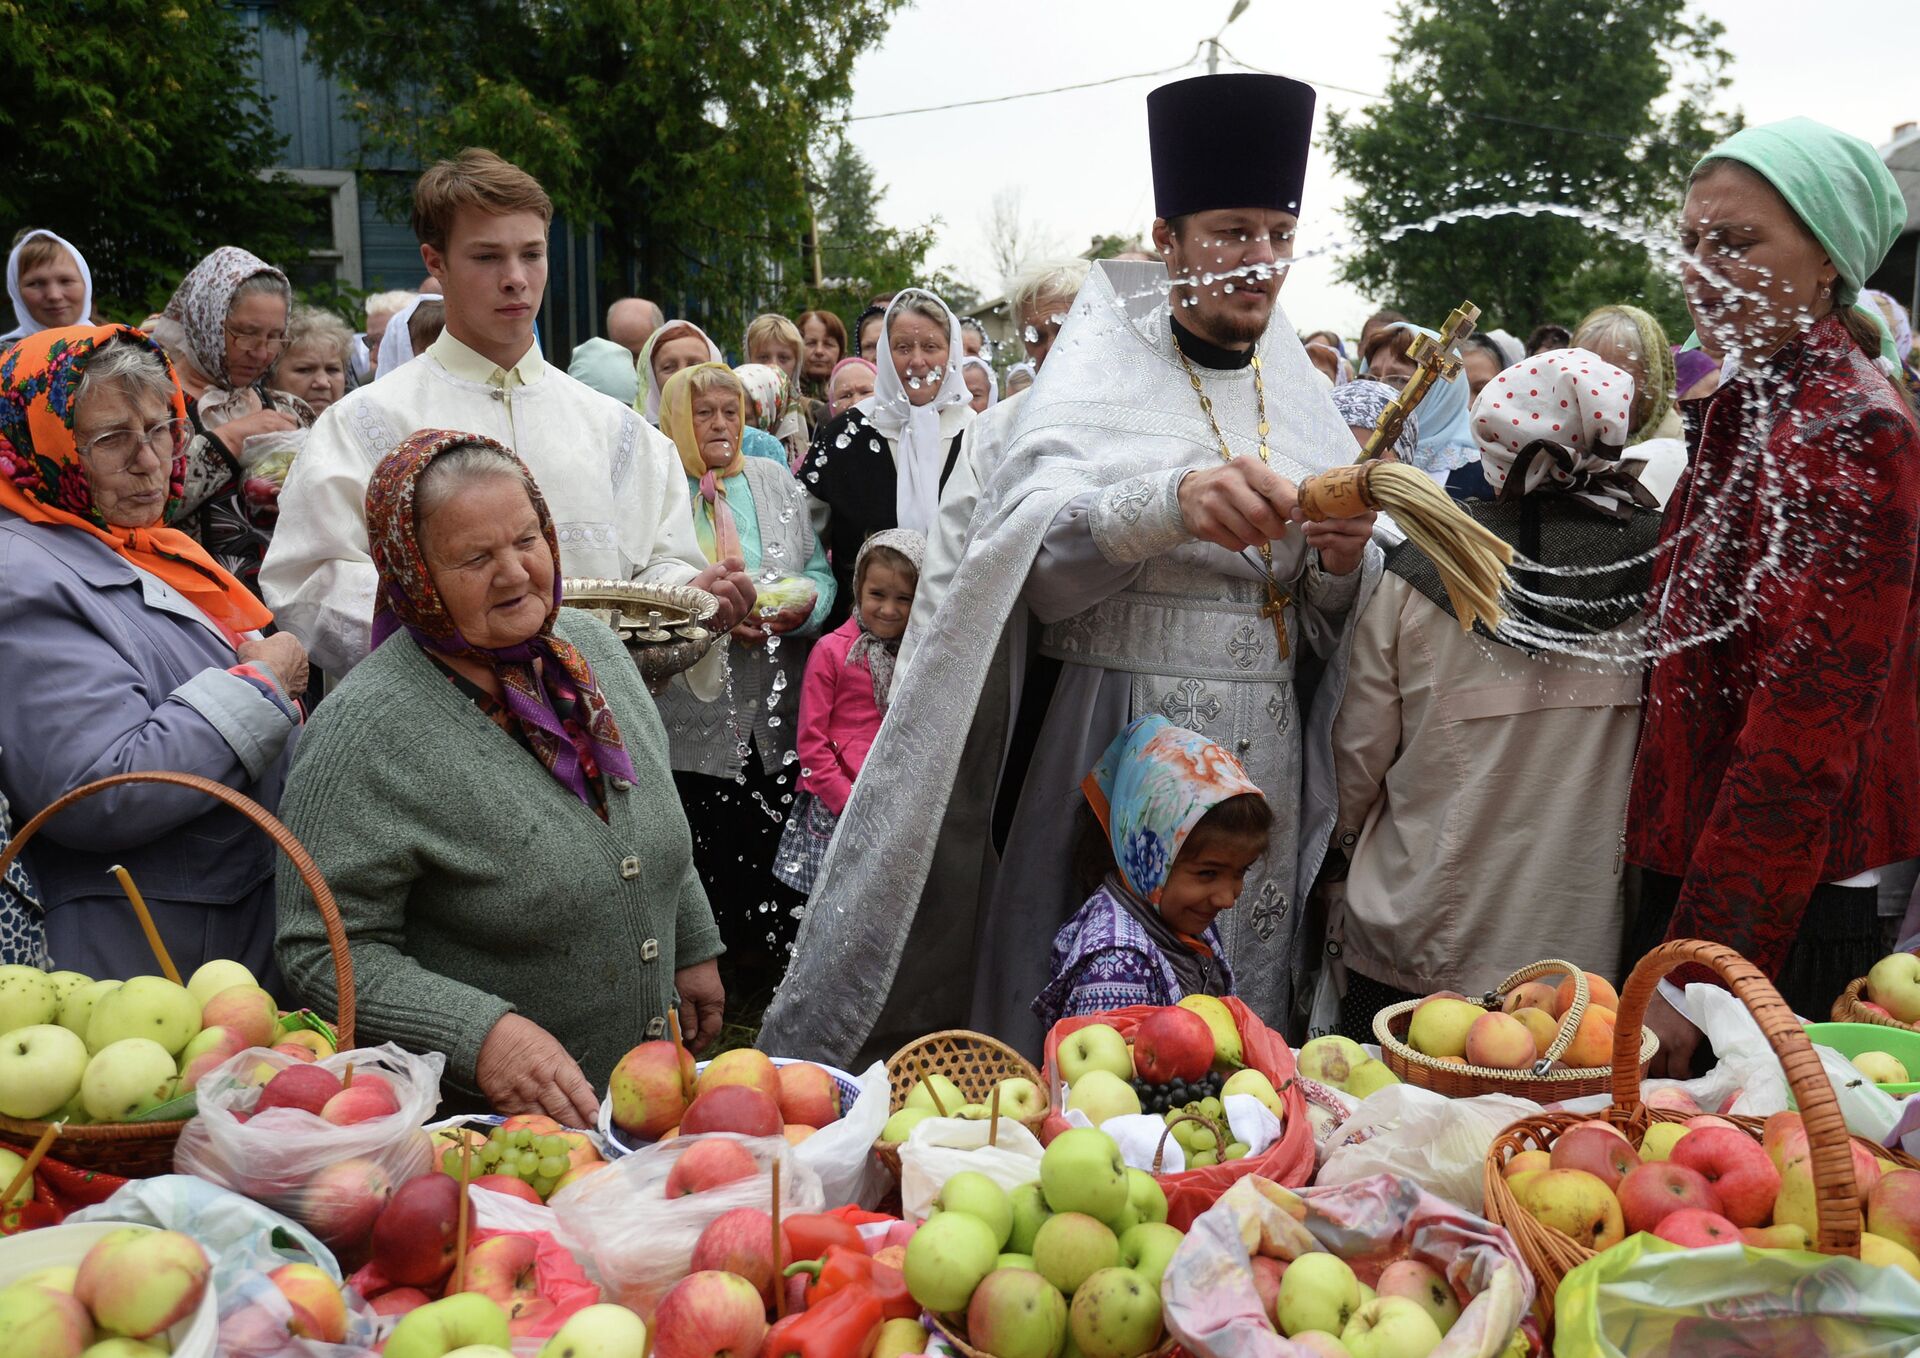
column 1078, row 160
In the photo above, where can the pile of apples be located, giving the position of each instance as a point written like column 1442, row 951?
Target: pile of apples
column 130, row 1288
column 1319, row 1302
column 1070, row 1264
column 529, row 1156
column 1707, row 1182
column 657, row 1095
column 1020, row 1099
column 470, row 1325
column 1893, row 989
column 79, row 1050
column 1451, row 1028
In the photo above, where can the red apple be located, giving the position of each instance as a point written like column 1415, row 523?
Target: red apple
column 707, row 1165
column 397, row 1301
column 507, row 1184
column 650, row 1088
column 341, row 1203
column 1674, row 1100
column 709, row 1315
column 1266, row 1281
column 505, row 1269
column 247, row 1010
column 742, row 1066
column 1172, row 1044
column 1696, row 1229
column 741, row 1241
column 808, row 1095
column 1598, row 1149
column 365, row 1099
column 732, row 1108
column 319, row 1311
column 307, row 1087
column 1783, row 1136
column 580, row 1149
column 1600, row 995
column 1654, row 1191
column 1709, row 1120
column 537, row 1123
column 414, row 1239
column 1893, row 1207
column 1738, row 1169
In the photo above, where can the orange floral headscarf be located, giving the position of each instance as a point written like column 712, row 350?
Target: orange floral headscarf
column 43, row 481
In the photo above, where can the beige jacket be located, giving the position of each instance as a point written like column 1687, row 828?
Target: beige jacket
column 1482, row 795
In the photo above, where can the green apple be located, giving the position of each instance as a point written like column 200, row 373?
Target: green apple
column 479, row 1351
column 602, row 1330
column 922, row 1095
column 1082, row 1172
column 978, row 1196
column 442, row 1327
column 119, row 1347
column 1101, row 1094
column 1145, row 1196
column 38, row 1322
column 1440, row 1024
column 1098, row 1046
column 1369, row 1077
column 1228, row 1053
column 64, row 984
column 151, row 1007
column 126, row 1078
column 138, row 1282
column 76, row 1010
column 1331, row 1059
column 40, row 1069
column 1148, row 1248
column 946, row 1259
column 971, row 1112
column 900, row 1126
column 1255, row 1085
column 1071, row 1248
column 61, row 1278
column 1116, row 1314
column 1014, row 1261
column 1881, row 1068
column 216, row 976
column 1030, row 1212
column 1318, row 1292
column 1389, row 1327
column 1016, row 1313
column 1020, row 1099
column 1424, row 1286
column 27, row 998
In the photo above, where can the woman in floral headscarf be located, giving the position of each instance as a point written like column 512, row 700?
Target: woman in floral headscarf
column 127, row 648
column 773, row 410
column 487, row 794
column 224, row 328
column 1170, row 827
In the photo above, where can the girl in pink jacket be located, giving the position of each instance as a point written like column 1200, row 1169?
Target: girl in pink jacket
column 844, row 698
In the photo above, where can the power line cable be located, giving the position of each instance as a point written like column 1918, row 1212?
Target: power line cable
column 1030, row 94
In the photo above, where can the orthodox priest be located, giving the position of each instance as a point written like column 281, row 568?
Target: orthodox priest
column 1144, row 519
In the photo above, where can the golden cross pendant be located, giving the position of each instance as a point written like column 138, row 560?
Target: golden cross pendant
column 1276, row 609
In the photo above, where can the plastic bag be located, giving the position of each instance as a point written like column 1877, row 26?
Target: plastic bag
column 1652, row 1299
column 246, row 1242
column 1289, row 1160
column 1435, row 1142
column 641, row 1242
column 939, row 1148
column 1214, row 1311
column 331, row 1179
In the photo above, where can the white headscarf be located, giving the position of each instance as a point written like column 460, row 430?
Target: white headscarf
column 643, row 365
column 919, row 451
column 993, row 382
column 396, row 345
column 24, row 324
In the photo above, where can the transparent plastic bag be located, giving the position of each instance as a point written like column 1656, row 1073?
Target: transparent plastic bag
column 331, row 1179
column 640, row 1241
column 939, row 1148
column 1436, row 1142
column 1648, row 1298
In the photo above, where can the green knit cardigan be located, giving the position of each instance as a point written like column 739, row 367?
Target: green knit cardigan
column 472, row 883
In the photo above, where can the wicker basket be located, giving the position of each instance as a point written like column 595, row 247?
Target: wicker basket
column 139, row 1150
column 1553, row 1255
column 1850, row 1008
column 1541, row 1084
column 973, row 1061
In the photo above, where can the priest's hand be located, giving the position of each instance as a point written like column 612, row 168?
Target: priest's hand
column 522, row 1068
column 1342, row 543
column 703, row 1002
column 728, row 582
column 1239, row 504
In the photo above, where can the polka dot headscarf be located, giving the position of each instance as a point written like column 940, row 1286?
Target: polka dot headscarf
column 1557, row 422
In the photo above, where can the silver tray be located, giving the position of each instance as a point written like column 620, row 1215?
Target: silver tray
column 666, row 628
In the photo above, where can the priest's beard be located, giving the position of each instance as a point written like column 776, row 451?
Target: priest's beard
column 1231, row 323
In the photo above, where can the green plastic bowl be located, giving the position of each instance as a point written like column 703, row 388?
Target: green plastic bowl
column 1851, row 1039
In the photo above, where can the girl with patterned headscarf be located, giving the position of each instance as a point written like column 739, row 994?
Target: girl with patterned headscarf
column 1171, row 826
column 773, row 410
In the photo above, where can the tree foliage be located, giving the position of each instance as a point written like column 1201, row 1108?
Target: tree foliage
column 681, row 126
column 1602, row 105
column 130, row 128
column 861, row 257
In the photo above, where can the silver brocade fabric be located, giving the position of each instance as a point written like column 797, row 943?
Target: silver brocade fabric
column 1112, row 403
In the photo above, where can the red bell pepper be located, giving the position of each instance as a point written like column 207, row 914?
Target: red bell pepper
column 843, row 1270
column 844, row 1325
column 810, row 1235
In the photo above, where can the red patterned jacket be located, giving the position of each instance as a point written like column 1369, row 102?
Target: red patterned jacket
column 1784, row 750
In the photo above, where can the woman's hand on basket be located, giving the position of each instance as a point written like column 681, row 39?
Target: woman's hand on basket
column 703, row 1002
column 1679, row 1039
column 523, row 1069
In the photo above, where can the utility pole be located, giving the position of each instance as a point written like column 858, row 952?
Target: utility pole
column 1213, row 43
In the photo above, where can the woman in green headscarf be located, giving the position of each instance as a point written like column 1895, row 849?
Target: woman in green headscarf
column 1781, row 748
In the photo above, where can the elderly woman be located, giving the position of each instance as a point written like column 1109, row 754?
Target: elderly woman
column 1781, row 756
column 1633, row 341
column 127, row 648
column 883, row 463
column 852, row 382
column 317, row 359
column 1446, row 450
column 983, row 387
column 775, row 426
column 224, row 327
column 675, row 345
column 488, row 796
column 733, row 756
column 48, row 283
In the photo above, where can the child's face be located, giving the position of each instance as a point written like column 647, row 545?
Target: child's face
column 776, row 354
column 886, row 597
column 1206, row 880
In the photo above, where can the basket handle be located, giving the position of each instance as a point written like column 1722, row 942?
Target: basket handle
column 1160, row 1147
column 1569, row 1021
column 1830, row 1144
column 261, row 817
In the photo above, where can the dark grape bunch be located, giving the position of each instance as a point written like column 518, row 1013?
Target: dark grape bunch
column 1173, row 1097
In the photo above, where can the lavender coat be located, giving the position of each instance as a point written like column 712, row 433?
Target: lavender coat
column 104, row 670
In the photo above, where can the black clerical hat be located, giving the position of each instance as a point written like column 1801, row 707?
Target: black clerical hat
column 1223, row 141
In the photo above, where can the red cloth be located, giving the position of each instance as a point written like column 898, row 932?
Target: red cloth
column 838, row 718
column 562, row 1284
column 1287, row 1161
column 58, row 1189
column 1788, row 753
